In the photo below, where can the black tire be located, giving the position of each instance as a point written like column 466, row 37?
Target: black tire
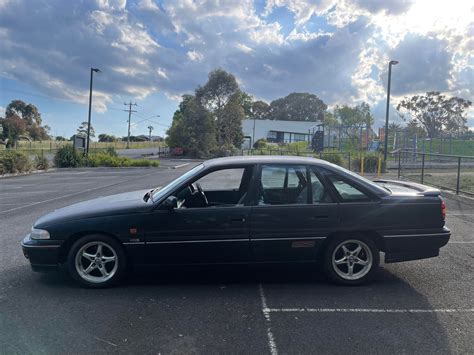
column 102, row 272
column 340, row 273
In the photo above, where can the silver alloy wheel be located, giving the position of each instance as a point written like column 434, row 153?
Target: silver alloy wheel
column 96, row 262
column 352, row 259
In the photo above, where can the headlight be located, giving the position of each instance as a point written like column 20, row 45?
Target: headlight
column 39, row 234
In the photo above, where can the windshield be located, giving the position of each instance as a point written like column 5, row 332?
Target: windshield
column 162, row 191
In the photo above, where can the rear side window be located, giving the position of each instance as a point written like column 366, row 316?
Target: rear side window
column 319, row 193
column 347, row 191
column 283, row 185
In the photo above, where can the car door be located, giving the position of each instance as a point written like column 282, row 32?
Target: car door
column 218, row 233
column 294, row 213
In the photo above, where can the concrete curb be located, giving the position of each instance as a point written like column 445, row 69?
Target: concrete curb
column 6, row 176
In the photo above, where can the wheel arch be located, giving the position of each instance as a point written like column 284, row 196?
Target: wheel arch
column 373, row 235
column 66, row 246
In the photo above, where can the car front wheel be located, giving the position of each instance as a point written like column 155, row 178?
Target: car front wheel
column 351, row 260
column 96, row 261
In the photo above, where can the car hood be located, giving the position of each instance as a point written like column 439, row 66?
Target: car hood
column 125, row 203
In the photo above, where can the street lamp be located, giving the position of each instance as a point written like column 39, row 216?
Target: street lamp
column 90, row 107
column 392, row 62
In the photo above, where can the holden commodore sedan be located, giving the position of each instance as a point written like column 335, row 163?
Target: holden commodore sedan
column 245, row 210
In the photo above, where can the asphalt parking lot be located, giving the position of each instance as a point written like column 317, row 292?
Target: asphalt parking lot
column 424, row 306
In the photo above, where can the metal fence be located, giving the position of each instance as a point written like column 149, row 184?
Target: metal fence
column 450, row 172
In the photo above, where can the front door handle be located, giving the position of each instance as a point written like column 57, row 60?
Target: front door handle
column 319, row 217
column 238, row 219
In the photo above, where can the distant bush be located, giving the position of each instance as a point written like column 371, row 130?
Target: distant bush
column 68, row 157
column 333, row 158
column 111, row 151
column 41, row 162
column 298, row 146
column 12, row 162
column 108, row 159
column 260, row 144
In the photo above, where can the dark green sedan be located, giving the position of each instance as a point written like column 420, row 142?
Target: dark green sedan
column 245, row 210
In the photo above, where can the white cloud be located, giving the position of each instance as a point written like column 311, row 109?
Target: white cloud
column 195, row 56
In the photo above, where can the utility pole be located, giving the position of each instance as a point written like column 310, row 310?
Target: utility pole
column 129, row 119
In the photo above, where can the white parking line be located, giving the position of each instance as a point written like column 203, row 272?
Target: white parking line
column 266, row 314
column 367, row 310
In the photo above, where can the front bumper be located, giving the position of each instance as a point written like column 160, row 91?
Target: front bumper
column 42, row 254
column 414, row 246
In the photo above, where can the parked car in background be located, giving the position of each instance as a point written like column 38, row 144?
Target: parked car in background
column 260, row 209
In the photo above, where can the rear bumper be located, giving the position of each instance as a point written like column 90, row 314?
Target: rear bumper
column 414, row 246
column 43, row 255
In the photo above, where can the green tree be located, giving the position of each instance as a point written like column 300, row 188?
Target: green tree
column 330, row 120
column 435, row 112
column 193, row 128
column 103, row 137
column 221, row 95
column 27, row 112
column 246, row 101
column 60, row 139
column 30, row 115
column 82, row 130
column 354, row 116
column 298, row 107
column 13, row 128
column 260, row 110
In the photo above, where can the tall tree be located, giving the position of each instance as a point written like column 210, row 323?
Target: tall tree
column 193, row 128
column 435, row 112
column 354, row 116
column 13, row 128
column 219, row 95
column 28, row 112
column 260, row 110
column 31, row 117
column 298, row 107
column 82, row 130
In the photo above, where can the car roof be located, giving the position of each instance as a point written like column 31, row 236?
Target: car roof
column 264, row 159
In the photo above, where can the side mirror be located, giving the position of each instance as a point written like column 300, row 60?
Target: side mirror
column 170, row 203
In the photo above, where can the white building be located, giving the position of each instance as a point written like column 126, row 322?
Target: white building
column 276, row 131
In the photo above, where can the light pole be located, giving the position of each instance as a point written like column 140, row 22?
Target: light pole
column 150, row 128
column 392, row 62
column 90, row 107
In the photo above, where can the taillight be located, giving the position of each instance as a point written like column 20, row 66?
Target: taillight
column 443, row 210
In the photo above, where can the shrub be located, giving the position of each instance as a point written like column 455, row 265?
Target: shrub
column 298, row 146
column 12, row 162
column 333, row 158
column 260, row 144
column 68, row 157
column 41, row 162
column 107, row 160
column 111, row 151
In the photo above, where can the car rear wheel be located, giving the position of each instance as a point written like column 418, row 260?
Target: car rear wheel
column 351, row 260
column 96, row 261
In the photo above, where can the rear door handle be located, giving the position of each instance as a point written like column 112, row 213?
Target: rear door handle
column 320, row 217
column 238, row 219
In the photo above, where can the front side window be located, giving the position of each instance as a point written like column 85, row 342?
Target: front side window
column 347, row 191
column 283, row 185
column 219, row 188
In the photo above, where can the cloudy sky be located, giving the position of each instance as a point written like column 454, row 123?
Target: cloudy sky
column 153, row 51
